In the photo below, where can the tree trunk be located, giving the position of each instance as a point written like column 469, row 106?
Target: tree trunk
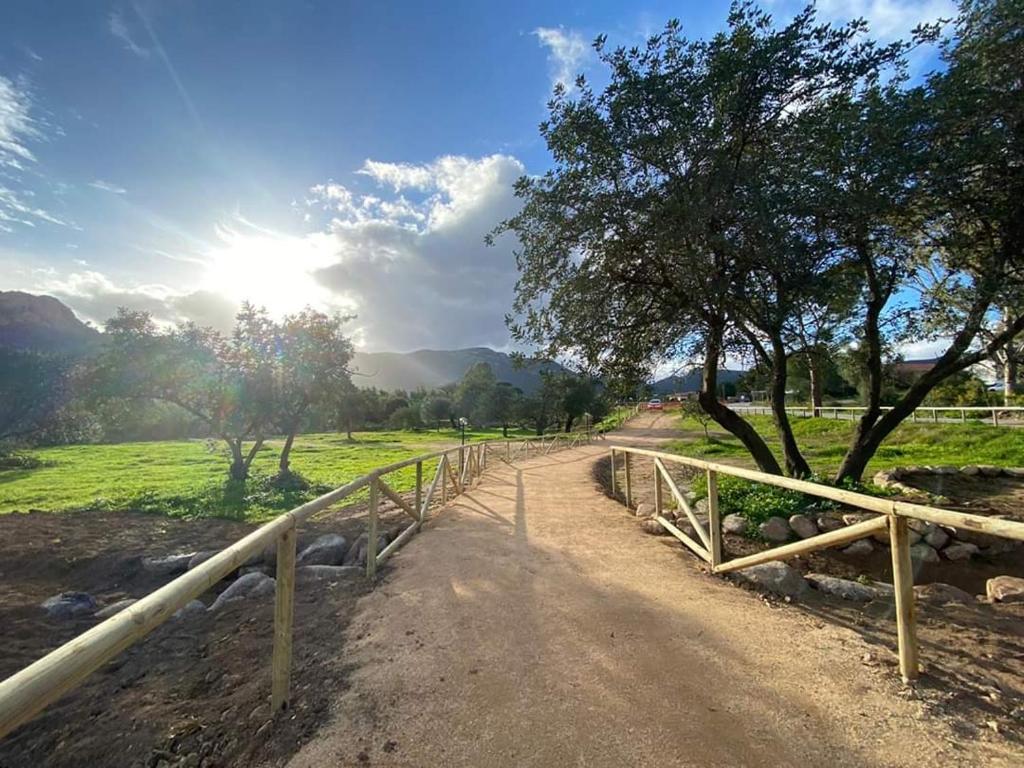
column 504, row 430
column 1009, row 375
column 568, row 423
column 814, row 365
column 796, row 465
column 726, row 417
column 239, row 469
column 283, row 465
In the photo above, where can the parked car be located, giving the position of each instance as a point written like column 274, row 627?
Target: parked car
column 655, row 405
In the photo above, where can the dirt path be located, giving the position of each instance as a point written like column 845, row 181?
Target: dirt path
column 533, row 624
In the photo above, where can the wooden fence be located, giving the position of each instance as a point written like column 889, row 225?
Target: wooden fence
column 26, row 693
column 998, row 415
column 893, row 515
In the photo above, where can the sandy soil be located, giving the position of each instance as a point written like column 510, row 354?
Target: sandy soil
column 533, row 624
column 194, row 692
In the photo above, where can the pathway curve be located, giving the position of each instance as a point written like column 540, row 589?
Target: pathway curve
column 533, row 624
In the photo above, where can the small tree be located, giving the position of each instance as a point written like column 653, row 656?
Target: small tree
column 692, row 409
column 436, row 410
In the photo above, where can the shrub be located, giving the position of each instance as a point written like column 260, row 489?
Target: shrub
column 754, row 501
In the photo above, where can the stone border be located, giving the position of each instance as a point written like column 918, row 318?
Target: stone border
column 890, row 479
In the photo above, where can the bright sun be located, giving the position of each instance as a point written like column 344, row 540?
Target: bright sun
column 270, row 269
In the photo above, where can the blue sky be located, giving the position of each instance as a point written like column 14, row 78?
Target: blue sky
column 180, row 156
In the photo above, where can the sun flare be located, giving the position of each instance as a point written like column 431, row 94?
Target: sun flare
column 270, row 269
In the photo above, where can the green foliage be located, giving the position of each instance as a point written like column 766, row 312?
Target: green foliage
column 186, row 477
column 824, row 441
column 754, row 501
column 960, row 389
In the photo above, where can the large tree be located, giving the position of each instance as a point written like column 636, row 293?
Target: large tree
column 722, row 196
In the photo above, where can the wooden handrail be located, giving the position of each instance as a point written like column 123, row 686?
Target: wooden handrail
column 26, row 693
column 894, row 516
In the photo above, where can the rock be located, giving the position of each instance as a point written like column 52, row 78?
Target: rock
column 685, row 527
column 329, row 572
column 736, row 524
column 936, row 538
column 250, row 585
column 67, row 605
column 170, row 565
column 700, row 507
column 828, row 523
column 977, row 538
column 644, row 510
column 191, row 608
column 114, row 608
column 920, row 526
column 944, row 469
column 1005, row 589
column 775, row 530
column 942, row 593
column 775, row 577
column 329, row 549
column 970, row 470
column 803, row 526
column 852, row 518
column 844, row 588
column 264, row 569
column 201, row 557
column 961, row 550
column 861, row 547
column 1000, row 548
column 990, row 470
column 1013, row 471
column 884, row 478
column 922, row 553
column 356, row 554
column 653, row 527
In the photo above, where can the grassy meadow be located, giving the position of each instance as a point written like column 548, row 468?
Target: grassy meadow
column 824, row 442
column 188, row 478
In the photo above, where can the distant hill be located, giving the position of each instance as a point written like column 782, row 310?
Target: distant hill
column 42, row 323
column 435, row 367
column 690, row 382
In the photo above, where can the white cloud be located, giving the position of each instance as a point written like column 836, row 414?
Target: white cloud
column 417, row 272
column 96, row 297
column 567, row 51
column 407, row 257
column 887, row 19
column 18, row 130
column 106, row 186
column 119, row 28
column 17, row 126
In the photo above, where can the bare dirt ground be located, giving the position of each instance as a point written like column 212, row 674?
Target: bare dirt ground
column 193, row 693
column 533, row 624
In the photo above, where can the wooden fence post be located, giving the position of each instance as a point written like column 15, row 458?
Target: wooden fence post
column 444, row 480
column 629, row 480
column 419, row 489
column 714, row 521
column 371, row 532
column 903, row 584
column 613, row 472
column 657, row 491
column 284, row 612
column 995, row 417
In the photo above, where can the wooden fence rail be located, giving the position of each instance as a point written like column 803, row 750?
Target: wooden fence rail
column 949, row 413
column 26, row 693
column 893, row 515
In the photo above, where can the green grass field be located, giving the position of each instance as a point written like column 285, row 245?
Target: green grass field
column 189, row 478
column 824, row 442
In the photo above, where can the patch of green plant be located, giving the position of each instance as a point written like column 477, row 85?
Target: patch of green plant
column 756, row 502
